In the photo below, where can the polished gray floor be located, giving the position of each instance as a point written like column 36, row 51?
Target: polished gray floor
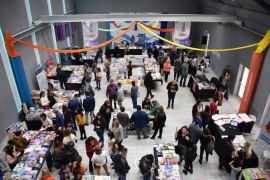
column 177, row 117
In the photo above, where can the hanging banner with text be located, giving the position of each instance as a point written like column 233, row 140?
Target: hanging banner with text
column 90, row 33
column 264, row 136
column 182, row 33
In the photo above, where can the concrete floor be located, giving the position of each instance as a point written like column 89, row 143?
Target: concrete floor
column 177, row 117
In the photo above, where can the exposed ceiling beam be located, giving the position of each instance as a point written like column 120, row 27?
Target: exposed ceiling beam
column 263, row 4
column 137, row 17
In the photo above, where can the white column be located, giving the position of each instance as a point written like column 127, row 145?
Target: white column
column 33, row 35
column 53, row 31
column 7, row 66
column 65, row 11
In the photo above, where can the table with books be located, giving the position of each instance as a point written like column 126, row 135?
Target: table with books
column 166, row 161
column 151, row 65
column 137, row 60
column 255, row 173
column 36, row 156
column 95, row 177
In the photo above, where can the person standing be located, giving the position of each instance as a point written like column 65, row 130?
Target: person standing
column 150, row 51
column 155, row 53
column 160, row 122
column 106, row 112
column 172, row 55
column 206, row 116
column 107, row 53
column 134, row 94
column 124, row 120
column 61, row 76
column 195, row 131
column 132, row 40
column 99, row 127
column 81, row 122
column 69, row 137
column 146, row 166
column 172, row 88
column 214, row 106
column 73, row 105
column 99, row 159
column 98, row 79
column 166, row 69
column 198, row 107
column 117, row 131
column 44, row 101
column 183, row 138
column 51, row 97
column 111, row 93
column 148, row 83
column 89, row 107
column 226, row 156
column 87, row 75
column 121, row 165
column 190, row 156
column 90, row 144
column 197, row 116
column 184, row 73
column 205, row 139
column 59, row 119
column 99, row 55
column 177, row 69
column 120, row 95
column 94, row 69
column 140, row 120
column 236, row 164
column 129, row 69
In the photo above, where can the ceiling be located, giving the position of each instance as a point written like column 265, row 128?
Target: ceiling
column 255, row 5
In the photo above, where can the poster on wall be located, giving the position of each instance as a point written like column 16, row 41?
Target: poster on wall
column 90, row 33
column 41, row 78
column 182, row 33
column 264, row 136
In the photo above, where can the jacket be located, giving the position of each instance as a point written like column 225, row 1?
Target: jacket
column 80, row 120
column 195, row 132
column 89, row 104
column 134, row 92
column 59, row 119
column 148, row 82
column 99, row 127
column 123, row 119
column 105, row 111
column 177, row 65
column 144, row 166
column 111, row 90
column 213, row 108
column 99, row 160
column 200, row 122
column 140, row 119
column 120, row 164
column 160, row 121
column 167, row 67
column 191, row 153
column 90, row 149
column 172, row 89
column 118, row 133
column 74, row 104
column 154, row 110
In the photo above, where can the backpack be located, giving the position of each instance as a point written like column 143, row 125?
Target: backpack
column 210, row 146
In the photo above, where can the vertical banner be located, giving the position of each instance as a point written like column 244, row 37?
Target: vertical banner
column 264, row 136
column 90, row 33
column 41, row 78
column 182, row 32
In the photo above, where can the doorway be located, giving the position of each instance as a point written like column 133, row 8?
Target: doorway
column 243, row 82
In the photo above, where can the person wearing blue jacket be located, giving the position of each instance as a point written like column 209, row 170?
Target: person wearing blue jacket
column 73, row 105
column 198, row 116
column 140, row 120
column 89, row 107
column 59, row 119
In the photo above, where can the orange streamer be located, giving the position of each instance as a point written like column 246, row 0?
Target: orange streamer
column 158, row 29
column 10, row 45
column 77, row 50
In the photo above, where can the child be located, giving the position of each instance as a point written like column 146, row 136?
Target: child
column 63, row 173
column 190, row 156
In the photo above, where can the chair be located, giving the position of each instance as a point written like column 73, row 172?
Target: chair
column 139, row 73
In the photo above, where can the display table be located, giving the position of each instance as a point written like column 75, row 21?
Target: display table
column 166, row 162
column 255, row 173
column 137, row 60
column 201, row 88
column 95, row 177
column 152, row 66
column 35, row 155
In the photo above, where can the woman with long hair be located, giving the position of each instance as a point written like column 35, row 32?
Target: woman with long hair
column 59, row 152
column 106, row 112
column 81, row 122
column 183, row 138
column 51, row 97
column 87, row 75
column 247, row 150
column 206, row 115
column 11, row 156
column 236, row 164
column 197, row 107
column 98, row 79
column 46, row 175
column 99, row 159
column 68, row 136
column 117, row 130
column 205, row 139
column 44, row 101
column 166, row 69
column 90, row 145
column 160, row 122
column 78, row 169
column 116, row 149
column 111, row 139
column 99, row 127
column 148, row 83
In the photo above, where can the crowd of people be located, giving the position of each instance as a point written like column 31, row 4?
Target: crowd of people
column 80, row 113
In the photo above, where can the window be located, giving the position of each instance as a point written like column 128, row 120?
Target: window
column 243, row 82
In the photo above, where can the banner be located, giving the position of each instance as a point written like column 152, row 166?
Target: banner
column 41, row 78
column 90, row 33
column 264, row 136
column 182, row 33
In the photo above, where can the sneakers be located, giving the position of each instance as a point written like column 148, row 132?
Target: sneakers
column 152, row 138
column 191, row 171
column 159, row 137
column 185, row 171
column 146, row 137
column 152, row 97
column 168, row 107
column 172, row 107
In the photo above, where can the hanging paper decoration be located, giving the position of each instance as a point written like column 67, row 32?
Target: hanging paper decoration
column 63, row 30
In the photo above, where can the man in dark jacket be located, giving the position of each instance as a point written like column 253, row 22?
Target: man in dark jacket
column 155, row 53
column 111, row 93
column 146, row 166
column 73, row 105
column 61, row 76
column 89, row 106
column 134, row 94
column 140, row 120
column 226, row 156
column 195, row 131
column 172, row 88
column 121, row 165
column 106, row 112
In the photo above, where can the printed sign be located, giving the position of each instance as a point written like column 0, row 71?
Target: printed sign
column 90, row 33
column 182, row 32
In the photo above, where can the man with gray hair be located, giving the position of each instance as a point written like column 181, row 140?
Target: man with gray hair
column 184, row 73
column 121, row 165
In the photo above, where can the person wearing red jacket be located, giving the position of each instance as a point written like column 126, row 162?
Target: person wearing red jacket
column 90, row 145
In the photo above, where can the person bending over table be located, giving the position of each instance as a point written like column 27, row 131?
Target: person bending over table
column 46, row 122
column 226, row 155
column 146, row 166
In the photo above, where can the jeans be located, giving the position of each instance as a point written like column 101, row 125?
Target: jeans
column 202, row 149
column 124, row 132
column 139, row 130
column 149, row 55
column 166, row 75
column 98, row 83
column 100, row 135
column 147, row 176
column 156, row 130
column 114, row 100
column 82, row 131
column 91, row 169
column 149, row 92
column 120, row 103
column 91, row 116
column 171, row 97
column 176, row 75
column 233, row 174
column 134, row 102
column 74, row 121
column 185, row 78
column 107, row 122
column 108, row 75
column 121, row 176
